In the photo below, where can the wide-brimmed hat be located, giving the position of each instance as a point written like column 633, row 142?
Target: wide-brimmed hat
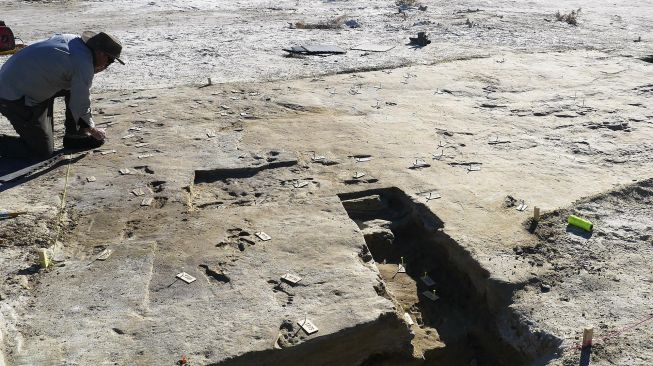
column 103, row 42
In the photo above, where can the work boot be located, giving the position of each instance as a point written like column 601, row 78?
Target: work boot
column 81, row 142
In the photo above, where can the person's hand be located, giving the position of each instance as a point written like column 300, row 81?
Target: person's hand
column 97, row 133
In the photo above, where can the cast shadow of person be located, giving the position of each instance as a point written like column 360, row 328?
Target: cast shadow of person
column 585, row 354
column 18, row 170
column 14, row 172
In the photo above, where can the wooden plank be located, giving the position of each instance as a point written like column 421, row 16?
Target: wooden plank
column 315, row 49
column 322, row 48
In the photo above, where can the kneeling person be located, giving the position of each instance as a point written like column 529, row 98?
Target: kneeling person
column 62, row 66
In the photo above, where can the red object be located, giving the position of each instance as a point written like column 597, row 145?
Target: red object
column 183, row 361
column 7, row 39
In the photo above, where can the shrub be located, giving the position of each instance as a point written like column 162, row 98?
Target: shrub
column 334, row 23
column 407, row 3
column 569, row 18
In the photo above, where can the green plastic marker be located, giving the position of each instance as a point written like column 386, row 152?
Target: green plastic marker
column 581, row 223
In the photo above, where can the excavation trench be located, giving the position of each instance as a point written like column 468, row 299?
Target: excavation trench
column 214, row 175
column 469, row 320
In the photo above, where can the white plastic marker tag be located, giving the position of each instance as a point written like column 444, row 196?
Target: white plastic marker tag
column 127, row 136
column 431, row 295
column 318, row 158
column 211, row 134
column 364, row 159
column 263, row 236
column 498, row 142
column 432, row 196
column 428, row 281
column 299, row 184
column 104, row 255
column 522, row 207
column 186, row 277
column 408, row 319
column 134, row 129
column 107, row 152
column 90, row 179
column 138, row 192
column 401, row 269
column 147, row 201
column 308, row 326
column 359, row 175
column 145, row 156
column 473, row 168
column 291, row 278
column 419, row 163
column 438, row 156
column 125, row 171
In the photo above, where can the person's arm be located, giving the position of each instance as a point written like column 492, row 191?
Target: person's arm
column 80, row 105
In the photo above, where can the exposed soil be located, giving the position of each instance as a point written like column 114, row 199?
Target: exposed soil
column 458, row 325
column 606, row 264
column 507, row 108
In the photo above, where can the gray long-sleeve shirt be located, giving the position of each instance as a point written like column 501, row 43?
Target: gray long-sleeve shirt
column 42, row 69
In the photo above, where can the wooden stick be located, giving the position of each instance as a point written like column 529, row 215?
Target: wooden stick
column 536, row 213
column 588, row 333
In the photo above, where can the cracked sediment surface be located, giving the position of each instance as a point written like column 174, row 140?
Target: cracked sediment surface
column 130, row 303
column 227, row 161
column 251, row 180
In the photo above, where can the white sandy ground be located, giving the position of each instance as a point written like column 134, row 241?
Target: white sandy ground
column 181, row 42
column 578, row 122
